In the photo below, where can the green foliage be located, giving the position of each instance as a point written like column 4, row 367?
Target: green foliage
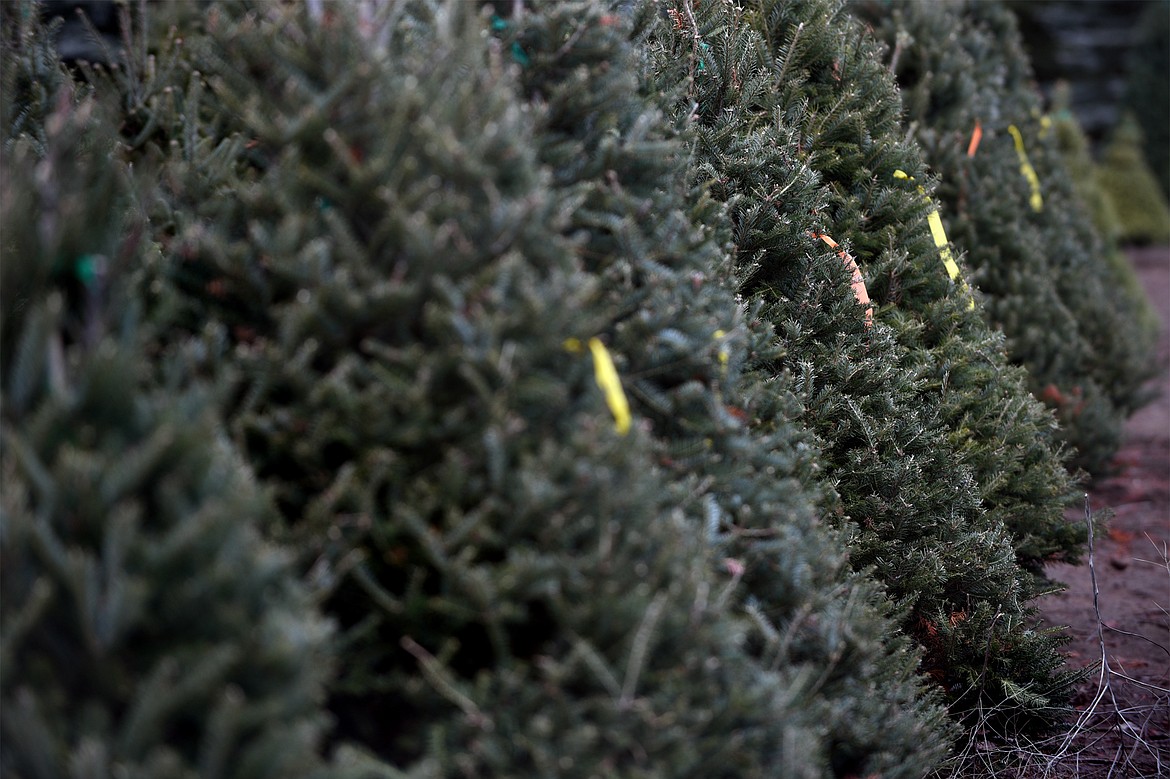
column 683, row 352
column 1078, row 159
column 46, row 121
column 1084, row 174
column 402, row 377
column 855, row 142
column 148, row 629
column 394, row 247
column 1128, row 182
column 1042, row 268
column 795, row 128
column 403, row 278
column 31, row 76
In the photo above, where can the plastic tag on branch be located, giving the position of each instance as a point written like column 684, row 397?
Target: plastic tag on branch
column 606, row 376
column 724, row 356
column 1036, row 200
column 976, row 137
column 856, row 279
column 940, row 239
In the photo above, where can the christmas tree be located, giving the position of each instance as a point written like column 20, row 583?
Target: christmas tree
column 880, row 209
column 1083, row 173
column 1038, row 261
column 1078, row 159
column 789, row 119
column 683, row 353
column 1147, row 91
column 148, row 628
column 430, row 347
column 1129, row 183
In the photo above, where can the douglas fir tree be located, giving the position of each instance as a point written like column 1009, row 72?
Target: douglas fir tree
column 1041, row 266
column 612, row 151
column 1147, row 90
column 796, row 132
column 1083, row 173
column 852, row 131
column 428, row 366
column 1136, row 194
column 148, row 629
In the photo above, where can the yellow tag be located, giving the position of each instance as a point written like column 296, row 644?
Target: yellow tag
column 611, row 385
column 1026, row 168
column 724, row 357
column 940, row 239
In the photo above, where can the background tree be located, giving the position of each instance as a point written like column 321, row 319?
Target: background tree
column 1038, row 260
column 853, row 134
column 1129, row 183
column 773, row 110
column 1147, row 92
column 1083, row 173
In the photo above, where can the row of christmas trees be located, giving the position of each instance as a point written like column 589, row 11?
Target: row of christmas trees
column 560, row 389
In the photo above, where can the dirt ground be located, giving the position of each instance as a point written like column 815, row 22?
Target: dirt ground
column 1124, row 705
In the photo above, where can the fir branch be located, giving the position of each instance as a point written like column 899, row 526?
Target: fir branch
column 639, row 648
column 446, row 684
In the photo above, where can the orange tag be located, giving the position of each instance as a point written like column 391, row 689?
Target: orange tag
column 858, row 281
column 976, row 137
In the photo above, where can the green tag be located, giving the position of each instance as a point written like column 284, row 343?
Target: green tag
column 518, row 54
column 88, row 268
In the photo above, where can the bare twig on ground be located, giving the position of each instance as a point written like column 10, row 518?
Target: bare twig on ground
column 1108, row 738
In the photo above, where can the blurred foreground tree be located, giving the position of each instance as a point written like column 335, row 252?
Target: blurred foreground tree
column 148, row 628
